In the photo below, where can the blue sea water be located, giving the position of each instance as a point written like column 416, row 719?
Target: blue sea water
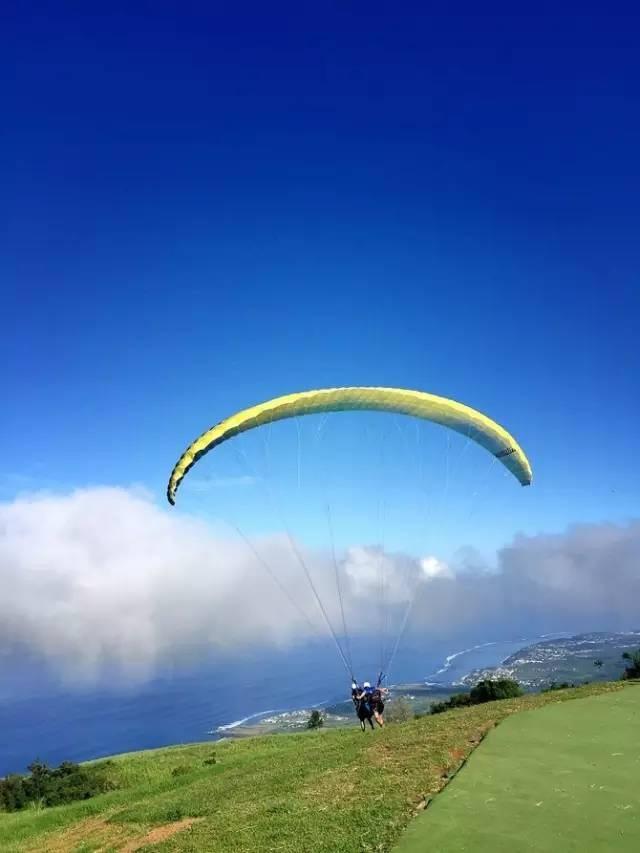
column 39, row 718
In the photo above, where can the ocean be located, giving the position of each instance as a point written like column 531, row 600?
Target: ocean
column 207, row 700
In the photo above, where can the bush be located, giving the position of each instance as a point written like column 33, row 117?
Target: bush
column 181, row 770
column 458, row 700
column 399, row 710
column 489, row 691
column 46, row 786
column 13, row 796
column 555, row 686
column 315, row 721
column 484, row 691
column 633, row 669
column 173, row 814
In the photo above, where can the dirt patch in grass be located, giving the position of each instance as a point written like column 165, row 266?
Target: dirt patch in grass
column 103, row 835
column 159, row 834
column 96, row 830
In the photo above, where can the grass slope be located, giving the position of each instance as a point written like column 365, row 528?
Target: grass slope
column 335, row 790
column 562, row 778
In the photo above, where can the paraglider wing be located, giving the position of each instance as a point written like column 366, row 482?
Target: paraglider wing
column 419, row 404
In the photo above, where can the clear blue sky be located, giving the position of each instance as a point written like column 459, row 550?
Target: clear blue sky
column 205, row 207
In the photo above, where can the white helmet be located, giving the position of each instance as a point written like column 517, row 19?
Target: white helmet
column 366, row 684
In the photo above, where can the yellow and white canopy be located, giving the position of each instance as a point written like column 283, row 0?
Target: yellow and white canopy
column 463, row 419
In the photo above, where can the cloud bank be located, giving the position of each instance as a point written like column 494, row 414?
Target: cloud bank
column 103, row 579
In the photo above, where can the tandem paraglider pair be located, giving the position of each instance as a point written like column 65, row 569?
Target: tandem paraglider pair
column 369, row 703
column 472, row 424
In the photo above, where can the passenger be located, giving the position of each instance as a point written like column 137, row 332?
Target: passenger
column 378, row 696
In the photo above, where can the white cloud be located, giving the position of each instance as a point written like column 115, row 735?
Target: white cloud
column 432, row 567
column 103, row 578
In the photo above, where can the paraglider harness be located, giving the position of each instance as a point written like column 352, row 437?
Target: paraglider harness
column 376, row 695
column 372, row 699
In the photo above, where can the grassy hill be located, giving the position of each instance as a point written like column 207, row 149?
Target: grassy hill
column 335, row 790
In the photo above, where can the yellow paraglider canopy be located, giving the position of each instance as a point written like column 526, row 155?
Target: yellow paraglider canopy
column 463, row 419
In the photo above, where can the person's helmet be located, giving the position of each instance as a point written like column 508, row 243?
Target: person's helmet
column 366, row 684
column 354, row 686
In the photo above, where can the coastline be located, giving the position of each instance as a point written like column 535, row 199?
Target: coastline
column 485, row 656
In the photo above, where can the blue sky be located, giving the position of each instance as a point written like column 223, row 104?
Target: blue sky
column 203, row 208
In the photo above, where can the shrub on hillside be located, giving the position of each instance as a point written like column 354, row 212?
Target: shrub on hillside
column 484, row 691
column 564, row 685
column 458, row 700
column 632, row 670
column 53, row 786
column 399, row 710
column 489, row 691
column 315, row 721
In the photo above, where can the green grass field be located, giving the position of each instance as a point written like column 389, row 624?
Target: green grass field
column 561, row 778
column 336, row 790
